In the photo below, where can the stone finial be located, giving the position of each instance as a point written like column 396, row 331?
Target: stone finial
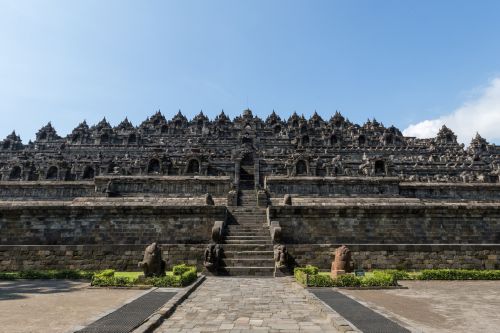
column 209, row 201
column 152, row 264
column 287, row 200
column 342, row 263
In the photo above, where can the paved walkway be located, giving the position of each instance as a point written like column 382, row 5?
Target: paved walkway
column 55, row 306
column 439, row 306
column 247, row 304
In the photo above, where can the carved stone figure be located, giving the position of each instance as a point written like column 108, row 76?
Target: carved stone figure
column 280, row 256
column 212, row 257
column 342, row 263
column 152, row 264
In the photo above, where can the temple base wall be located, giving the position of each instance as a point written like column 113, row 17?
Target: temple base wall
column 401, row 256
column 367, row 256
column 386, row 222
column 109, row 222
column 93, row 257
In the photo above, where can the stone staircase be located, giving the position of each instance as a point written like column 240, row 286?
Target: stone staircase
column 248, row 248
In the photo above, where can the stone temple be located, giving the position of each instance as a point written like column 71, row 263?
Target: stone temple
column 234, row 195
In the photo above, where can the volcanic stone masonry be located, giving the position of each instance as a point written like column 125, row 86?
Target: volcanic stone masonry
column 97, row 197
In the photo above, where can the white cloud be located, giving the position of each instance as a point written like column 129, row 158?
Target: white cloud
column 481, row 114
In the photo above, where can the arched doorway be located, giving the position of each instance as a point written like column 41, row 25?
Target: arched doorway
column 52, row 173
column 193, row 167
column 154, row 166
column 379, row 168
column 88, row 173
column 301, row 168
column 15, row 173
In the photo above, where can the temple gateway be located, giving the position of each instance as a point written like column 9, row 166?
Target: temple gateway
column 248, row 196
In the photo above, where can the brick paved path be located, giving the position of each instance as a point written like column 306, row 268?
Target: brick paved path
column 247, row 304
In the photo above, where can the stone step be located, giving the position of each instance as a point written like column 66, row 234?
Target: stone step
column 248, row 271
column 248, row 229
column 248, row 262
column 249, row 241
column 247, row 247
column 248, row 237
column 249, row 211
column 243, row 232
column 263, row 254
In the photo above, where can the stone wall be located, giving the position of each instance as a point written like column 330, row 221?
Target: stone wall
column 323, row 187
column 401, row 256
column 165, row 186
column 399, row 222
column 45, row 190
column 93, row 257
column 468, row 191
column 332, row 186
column 105, row 223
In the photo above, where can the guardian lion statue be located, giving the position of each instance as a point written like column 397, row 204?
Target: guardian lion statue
column 152, row 264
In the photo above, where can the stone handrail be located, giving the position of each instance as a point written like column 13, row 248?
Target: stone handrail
column 275, row 230
column 217, row 231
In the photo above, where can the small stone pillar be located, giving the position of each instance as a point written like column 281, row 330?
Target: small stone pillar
column 287, row 200
column 232, row 198
column 209, row 201
column 342, row 263
column 262, row 198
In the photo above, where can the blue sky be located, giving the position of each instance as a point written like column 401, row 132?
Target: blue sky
column 402, row 62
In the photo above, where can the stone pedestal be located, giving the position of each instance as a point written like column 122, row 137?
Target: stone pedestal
column 281, row 271
column 337, row 272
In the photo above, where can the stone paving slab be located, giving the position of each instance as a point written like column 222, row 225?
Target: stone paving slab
column 55, row 306
column 438, row 306
column 226, row 304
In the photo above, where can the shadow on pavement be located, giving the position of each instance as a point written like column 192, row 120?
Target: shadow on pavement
column 19, row 289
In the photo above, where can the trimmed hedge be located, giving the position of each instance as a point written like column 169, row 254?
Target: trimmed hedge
column 445, row 274
column 47, row 274
column 376, row 279
column 458, row 274
column 181, row 276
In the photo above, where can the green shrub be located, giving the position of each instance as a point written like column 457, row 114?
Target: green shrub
column 397, row 273
column 300, row 276
column 376, row 279
column 105, row 273
column 311, row 270
column 179, row 269
column 379, row 279
column 163, row 281
column 319, row 280
column 347, row 280
column 458, row 274
column 183, row 275
column 188, row 276
column 111, row 281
